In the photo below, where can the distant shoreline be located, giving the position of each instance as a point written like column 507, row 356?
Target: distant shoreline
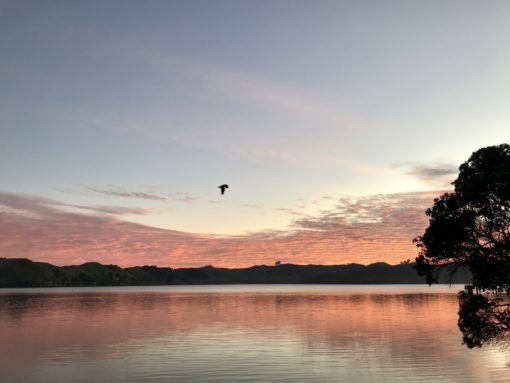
column 21, row 272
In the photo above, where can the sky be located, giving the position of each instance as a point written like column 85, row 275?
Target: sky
column 334, row 123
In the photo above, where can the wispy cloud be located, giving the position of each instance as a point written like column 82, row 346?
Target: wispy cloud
column 252, row 206
column 292, row 108
column 237, row 85
column 362, row 230
column 433, row 172
column 117, row 192
column 114, row 191
column 183, row 197
column 289, row 211
column 438, row 174
column 114, row 210
column 39, row 207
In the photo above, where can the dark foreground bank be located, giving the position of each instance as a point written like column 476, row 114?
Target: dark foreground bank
column 19, row 272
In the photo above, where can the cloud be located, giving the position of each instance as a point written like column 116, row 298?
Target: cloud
column 363, row 230
column 39, row 207
column 116, row 192
column 112, row 191
column 237, row 85
column 183, row 197
column 37, row 228
column 438, row 174
column 28, row 204
column 288, row 106
column 114, row 210
column 289, row 211
column 252, row 206
column 433, row 172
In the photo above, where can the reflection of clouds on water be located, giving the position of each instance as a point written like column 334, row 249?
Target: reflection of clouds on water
column 377, row 332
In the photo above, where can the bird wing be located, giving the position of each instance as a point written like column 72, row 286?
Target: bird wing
column 223, row 187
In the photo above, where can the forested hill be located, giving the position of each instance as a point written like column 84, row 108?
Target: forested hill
column 19, row 272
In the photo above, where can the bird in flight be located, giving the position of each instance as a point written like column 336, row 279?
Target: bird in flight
column 223, row 187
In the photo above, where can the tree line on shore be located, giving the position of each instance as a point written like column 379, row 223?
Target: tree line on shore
column 20, row 272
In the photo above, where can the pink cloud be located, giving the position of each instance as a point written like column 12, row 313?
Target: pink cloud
column 366, row 230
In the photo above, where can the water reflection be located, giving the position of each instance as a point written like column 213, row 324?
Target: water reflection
column 234, row 335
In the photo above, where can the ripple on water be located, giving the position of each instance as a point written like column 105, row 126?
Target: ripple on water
column 239, row 334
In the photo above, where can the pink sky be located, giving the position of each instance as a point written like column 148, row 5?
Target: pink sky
column 120, row 119
column 365, row 230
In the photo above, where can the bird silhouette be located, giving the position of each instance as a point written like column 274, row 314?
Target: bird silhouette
column 223, row 187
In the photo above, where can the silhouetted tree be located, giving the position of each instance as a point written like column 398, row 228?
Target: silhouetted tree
column 470, row 227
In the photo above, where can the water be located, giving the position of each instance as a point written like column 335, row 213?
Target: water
column 243, row 333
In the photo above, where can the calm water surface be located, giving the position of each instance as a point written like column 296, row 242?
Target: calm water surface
column 242, row 333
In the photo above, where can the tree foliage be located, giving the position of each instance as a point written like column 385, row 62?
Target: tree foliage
column 470, row 228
